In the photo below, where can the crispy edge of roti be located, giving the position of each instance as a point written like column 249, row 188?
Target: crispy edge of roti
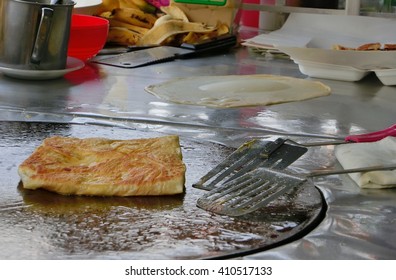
column 103, row 167
column 390, row 47
column 367, row 47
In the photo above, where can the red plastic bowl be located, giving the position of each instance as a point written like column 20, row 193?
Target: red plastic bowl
column 88, row 36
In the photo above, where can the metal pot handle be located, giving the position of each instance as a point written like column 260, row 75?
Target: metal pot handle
column 42, row 35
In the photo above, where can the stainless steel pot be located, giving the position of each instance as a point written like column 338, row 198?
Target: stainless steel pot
column 34, row 34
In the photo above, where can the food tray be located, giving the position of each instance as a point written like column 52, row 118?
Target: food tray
column 313, row 49
column 331, row 71
column 386, row 76
column 344, row 73
column 344, row 65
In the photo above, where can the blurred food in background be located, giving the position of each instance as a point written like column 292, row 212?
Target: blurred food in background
column 138, row 22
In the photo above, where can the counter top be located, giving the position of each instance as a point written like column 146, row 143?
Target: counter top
column 359, row 224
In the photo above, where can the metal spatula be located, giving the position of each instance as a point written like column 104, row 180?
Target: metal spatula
column 259, row 187
column 253, row 154
column 357, row 138
column 274, row 155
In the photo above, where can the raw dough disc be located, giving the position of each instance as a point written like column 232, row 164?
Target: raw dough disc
column 237, row 90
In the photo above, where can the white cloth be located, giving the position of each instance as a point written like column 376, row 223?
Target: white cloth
column 358, row 155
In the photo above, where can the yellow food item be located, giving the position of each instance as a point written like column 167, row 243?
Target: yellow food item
column 108, row 5
column 104, row 167
column 138, row 4
column 123, row 36
column 175, row 12
column 136, row 22
column 132, row 16
column 118, row 23
column 160, row 33
column 195, row 37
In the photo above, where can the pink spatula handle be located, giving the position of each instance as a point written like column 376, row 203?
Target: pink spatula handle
column 373, row 136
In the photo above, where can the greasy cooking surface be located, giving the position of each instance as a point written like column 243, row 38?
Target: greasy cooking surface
column 43, row 225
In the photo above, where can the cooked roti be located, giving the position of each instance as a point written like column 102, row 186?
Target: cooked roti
column 104, row 167
column 367, row 47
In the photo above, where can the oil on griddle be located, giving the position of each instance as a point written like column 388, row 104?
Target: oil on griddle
column 43, row 225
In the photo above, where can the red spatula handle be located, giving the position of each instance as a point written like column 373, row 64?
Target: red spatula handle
column 373, row 136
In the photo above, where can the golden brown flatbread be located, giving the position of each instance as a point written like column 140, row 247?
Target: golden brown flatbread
column 390, row 47
column 104, row 167
column 367, row 47
column 342, row 48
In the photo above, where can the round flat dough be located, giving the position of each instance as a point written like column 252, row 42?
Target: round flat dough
column 238, row 90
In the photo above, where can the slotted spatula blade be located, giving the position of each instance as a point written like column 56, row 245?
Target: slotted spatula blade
column 251, row 155
column 248, row 192
column 261, row 186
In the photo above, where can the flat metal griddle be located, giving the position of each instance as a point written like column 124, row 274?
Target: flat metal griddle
column 43, row 225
